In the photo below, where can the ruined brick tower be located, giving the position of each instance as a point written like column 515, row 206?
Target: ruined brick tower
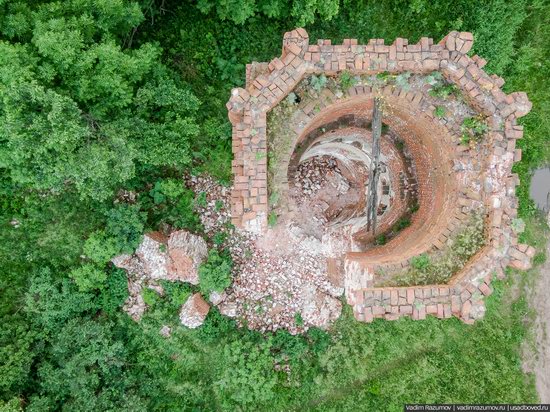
column 452, row 178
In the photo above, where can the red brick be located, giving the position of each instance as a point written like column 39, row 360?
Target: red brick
column 394, row 297
column 410, row 296
column 406, row 309
column 466, row 307
column 485, row 289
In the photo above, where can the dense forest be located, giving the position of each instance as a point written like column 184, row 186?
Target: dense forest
column 102, row 97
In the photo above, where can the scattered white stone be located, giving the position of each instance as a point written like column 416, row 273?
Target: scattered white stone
column 165, row 331
column 216, row 297
column 186, row 252
column 194, row 311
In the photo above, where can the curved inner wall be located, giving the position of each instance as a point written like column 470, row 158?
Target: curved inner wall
column 431, row 155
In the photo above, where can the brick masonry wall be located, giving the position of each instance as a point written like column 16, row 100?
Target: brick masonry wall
column 462, row 297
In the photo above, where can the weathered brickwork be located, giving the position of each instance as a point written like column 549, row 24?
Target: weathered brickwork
column 269, row 83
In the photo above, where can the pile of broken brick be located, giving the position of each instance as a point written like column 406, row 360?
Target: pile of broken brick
column 174, row 258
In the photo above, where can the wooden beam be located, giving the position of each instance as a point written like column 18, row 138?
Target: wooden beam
column 372, row 200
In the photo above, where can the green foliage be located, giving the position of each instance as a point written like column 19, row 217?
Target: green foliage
column 531, row 73
column 272, row 218
column 90, row 104
column 219, row 238
column 80, row 112
column 402, row 223
column 302, row 12
column 434, row 79
column 443, row 90
column 88, row 277
column 115, row 291
column 169, row 202
column 13, row 405
column 518, row 225
column 292, row 98
column 215, row 326
column 248, row 377
column 125, row 225
column 473, row 129
column 100, row 248
column 215, row 273
column 150, row 297
column 440, row 111
column 16, row 356
column 346, row 80
column 402, row 80
column 166, row 190
column 421, row 262
column 318, row 82
column 380, row 240
column 426, row 270
column 201, row 199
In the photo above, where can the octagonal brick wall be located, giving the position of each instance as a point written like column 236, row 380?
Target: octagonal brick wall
column 269, row 83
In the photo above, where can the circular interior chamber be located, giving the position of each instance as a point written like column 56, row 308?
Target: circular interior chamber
column 330, row 171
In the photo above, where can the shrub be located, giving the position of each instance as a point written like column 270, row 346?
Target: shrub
column 248, row 378
column 421, row 262
column 215, row 273
column 427, row 270
column 201, row 199
column 402, row 223
column 439, row 111
column 219, row 238
column 115, row 291
column 318, row 82
column 88, row 277
column 380, row 240
column 347, row 81
column 215, row 326
column 272, row 218
column 125, row 223
column 473, row 129
column 402, row 80
column 100, row 248
column 443, row 90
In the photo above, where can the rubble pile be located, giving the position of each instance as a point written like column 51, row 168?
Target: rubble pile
column 194, row 311
column 269, row 276
column 312, row 174
column 160, row 257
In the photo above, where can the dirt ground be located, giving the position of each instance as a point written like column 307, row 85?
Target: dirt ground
column 538, row 362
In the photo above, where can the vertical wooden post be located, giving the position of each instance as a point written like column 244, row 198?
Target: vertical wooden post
column 372, row 200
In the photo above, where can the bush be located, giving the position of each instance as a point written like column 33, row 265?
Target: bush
column 440, row 111
column 215, row 326
column 100, row 248
column 272, row 219
column 125, row 223
column 215, row 274
column 473, row 129
column 88, row 277
column 427, row 270
column 115, row 292
column 443, row 90
column 248, row 378
column 347, row 81
column 318, row 82
column 421, row 262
